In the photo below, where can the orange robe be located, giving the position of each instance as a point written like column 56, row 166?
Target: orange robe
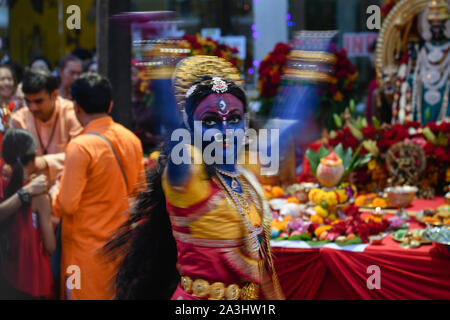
column 92, row 201
column 66, row 126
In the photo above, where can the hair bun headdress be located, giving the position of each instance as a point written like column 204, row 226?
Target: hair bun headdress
column 192, row 68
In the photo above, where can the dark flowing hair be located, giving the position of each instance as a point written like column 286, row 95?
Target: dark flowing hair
column 145, row 242
column 18, row 149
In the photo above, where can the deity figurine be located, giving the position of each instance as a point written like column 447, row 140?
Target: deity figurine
column 431, row 78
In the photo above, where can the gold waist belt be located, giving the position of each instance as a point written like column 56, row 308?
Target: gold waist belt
column 218, row 291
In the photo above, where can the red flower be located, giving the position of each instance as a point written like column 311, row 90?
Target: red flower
column 413, row 124
column 428, row 148
column 363, row 176
column 339, row 228
column 280, row 59
column 369, row 132
column 363, row 232
column 349, row 86
column 433, row 127
column 441, row 154
column 334, row 88
column 265, row 71
column 196, row 45
column 276, row 78
column 352, row 211
column 387, row 8
column 444, row 127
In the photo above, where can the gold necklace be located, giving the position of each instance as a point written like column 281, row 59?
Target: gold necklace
column 239, row 200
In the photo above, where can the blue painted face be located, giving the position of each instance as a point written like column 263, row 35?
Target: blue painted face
column 222, row 112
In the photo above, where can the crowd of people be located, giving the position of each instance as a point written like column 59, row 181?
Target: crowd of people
column 68, row 172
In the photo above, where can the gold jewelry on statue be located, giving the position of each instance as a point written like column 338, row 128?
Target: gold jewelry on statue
column 438, row 10
column 392, row 30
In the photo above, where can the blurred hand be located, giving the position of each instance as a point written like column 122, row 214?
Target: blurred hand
column 37, row 186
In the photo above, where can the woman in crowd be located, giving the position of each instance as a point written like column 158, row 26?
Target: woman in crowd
column 27, row 237
column 9, row 98
column 199, row 231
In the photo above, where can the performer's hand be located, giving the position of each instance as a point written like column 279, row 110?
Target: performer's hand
column 37, row 186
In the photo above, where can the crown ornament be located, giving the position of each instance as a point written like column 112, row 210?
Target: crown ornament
column 192, row 68
column 438, row 10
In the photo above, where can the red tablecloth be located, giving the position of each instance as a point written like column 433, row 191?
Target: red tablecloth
column 326, row 273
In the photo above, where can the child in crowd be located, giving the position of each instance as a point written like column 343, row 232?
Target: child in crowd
column 26, row 233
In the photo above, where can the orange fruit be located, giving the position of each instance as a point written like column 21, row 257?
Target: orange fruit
column 293, row 200
column 277, row 192
column 316, row 219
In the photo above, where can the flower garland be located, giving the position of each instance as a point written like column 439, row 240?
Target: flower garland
column 341, row 91
column 206, row 46
column 354, row 228
column 271, row 69
column 334, row 99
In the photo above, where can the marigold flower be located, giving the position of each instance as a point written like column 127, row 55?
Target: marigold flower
column 321, row 229
column 321, row 211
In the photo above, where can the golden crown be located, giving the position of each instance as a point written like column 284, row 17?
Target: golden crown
column 438, row 10
column 190, row 69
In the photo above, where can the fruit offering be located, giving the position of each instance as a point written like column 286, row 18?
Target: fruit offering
column 327, row 202
column 371, row 200
column 440, row 216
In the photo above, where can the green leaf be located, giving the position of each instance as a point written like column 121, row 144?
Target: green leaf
column 352, row 105
column 347, row 159
column 364, row 123
column 303, row 236
column 322, row 153
column 315, row 157
column 339, row 150
column 317, row 243
column 355, row 240
column 313, row 160
column 442, row 139
column 333, row 134
column 429, row 135
column 337, row 120
column 376, row 123
column 351, row 166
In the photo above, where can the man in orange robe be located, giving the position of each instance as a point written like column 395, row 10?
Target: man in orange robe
column 50, row 118
column 103, row 167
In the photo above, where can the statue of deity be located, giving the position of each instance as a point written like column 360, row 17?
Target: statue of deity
column 430, row 80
